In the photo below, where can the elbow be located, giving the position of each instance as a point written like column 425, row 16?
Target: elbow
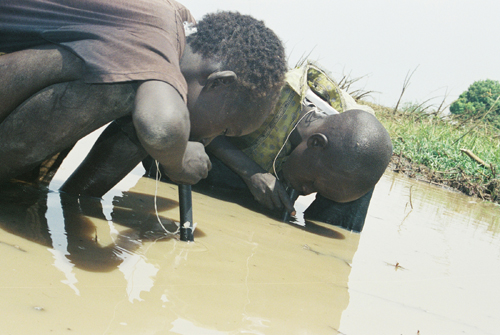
column 155, row 134
column 161, row 118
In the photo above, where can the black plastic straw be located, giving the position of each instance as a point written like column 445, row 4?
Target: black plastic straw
column 186, row 213
column 293, row 194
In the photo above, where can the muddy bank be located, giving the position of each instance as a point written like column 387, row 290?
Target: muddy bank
column 455, row 180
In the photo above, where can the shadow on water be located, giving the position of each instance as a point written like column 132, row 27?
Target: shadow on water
column 317, row 229
column 245, row 199
column 137, row 210
column 39, row 215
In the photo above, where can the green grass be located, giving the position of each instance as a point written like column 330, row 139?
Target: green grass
column 423, row 139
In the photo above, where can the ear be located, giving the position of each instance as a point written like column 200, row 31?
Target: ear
column 220, row 78
column 317, row 140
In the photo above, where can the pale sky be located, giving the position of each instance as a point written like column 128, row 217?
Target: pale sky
column 450, row 43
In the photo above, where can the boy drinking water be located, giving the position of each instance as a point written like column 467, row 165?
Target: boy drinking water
column 72, row 66
column 312, row 149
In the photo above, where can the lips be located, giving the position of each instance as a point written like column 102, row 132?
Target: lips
column 303, row 189
column 307, row 189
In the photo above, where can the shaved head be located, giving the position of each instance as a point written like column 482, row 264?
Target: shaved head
column 360, row 149
column 342, row 159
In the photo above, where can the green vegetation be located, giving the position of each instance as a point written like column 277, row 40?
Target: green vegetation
column 448, row 152
column 479, row 102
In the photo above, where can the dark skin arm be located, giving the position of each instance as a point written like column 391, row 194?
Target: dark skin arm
column 33, row 129
column 266, row 189
column 161, row 122
column 115, row 154
column 53, row 118
column 159, row 127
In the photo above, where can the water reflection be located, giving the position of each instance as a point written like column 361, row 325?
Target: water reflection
column 246, row 200
column 447, row 244
column 185, row 327
column 62, row 223
column 426, row 261
column 110, row 260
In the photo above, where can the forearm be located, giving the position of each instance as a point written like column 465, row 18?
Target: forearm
column 266, row 189
column 234, row 158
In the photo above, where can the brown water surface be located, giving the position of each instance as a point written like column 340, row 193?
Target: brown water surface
column 427, row 262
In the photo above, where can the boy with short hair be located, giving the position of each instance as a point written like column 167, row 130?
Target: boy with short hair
column 318, row 139
column 340, row 156
column 73, row 66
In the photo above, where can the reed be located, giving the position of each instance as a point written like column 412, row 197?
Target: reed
column 442, row 150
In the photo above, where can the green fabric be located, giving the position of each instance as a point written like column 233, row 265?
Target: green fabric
column 325, row 88
column 263, row 145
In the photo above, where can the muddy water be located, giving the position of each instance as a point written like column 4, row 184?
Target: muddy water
column 428, row 262
column 447, row 250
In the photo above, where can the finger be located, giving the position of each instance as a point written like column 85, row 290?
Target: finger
column 265, row 201
column 285, row 199
column 276, row 199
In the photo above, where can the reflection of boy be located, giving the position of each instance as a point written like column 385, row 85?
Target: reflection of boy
column 66, row 58
column 340, row 156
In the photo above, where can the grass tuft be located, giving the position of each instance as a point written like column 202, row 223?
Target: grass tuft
column 443, row 151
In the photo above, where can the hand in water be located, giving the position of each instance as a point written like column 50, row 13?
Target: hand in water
column 268, row 191
column 196, row 165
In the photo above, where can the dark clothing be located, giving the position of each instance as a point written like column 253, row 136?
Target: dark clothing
column 119, row 40
column 348, row 215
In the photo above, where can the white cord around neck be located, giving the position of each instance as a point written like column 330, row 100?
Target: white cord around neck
column 284, row 143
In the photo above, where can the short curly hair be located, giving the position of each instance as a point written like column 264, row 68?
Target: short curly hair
column 244, row 45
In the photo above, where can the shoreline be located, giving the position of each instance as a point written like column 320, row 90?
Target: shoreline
column 436, row 151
